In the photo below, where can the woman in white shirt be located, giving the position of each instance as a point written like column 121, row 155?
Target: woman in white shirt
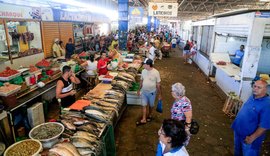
column 172, row 136
column 90, row 67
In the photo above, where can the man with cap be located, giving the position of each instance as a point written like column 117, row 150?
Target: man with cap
column 56, row 48
column 149, row 88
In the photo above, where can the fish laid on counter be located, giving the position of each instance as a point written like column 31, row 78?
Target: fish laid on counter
column 86, row 134
column 128, row 80
column 127, row 75
column 86, row 152
column 70, row 147
column 75, row 120
column 82, row 143
column 115, row 93
column 60, row 151
column 97, row 118
column 68, row 124
column 112, row 101
column 89, row 128
column 106, row 108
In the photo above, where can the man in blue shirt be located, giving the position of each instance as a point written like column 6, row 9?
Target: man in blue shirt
column 237, row 57
column 252, row 121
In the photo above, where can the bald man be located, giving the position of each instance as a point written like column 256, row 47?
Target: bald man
column 252, row 121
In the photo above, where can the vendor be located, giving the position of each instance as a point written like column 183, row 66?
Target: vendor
column 114, row 54
column 237, row 57
column 56, row 48
column 70, row 47
column 90, row 66
column 64, row 87
column 102, row 64
column 115, row 41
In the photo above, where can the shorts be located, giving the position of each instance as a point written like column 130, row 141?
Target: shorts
column 148, row 98
column 185, row 52
column 173, row 45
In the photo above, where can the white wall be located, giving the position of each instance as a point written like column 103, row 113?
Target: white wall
column 229, row 45
column 202, row 62
column 34, row 27
column 264, row 61
column 23, row 61
column 226, row 83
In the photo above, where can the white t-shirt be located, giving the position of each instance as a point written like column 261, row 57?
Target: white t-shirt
column 150, row 80
column 181, row 152
column 91, row 67
column 174, row 41
column 152, row 54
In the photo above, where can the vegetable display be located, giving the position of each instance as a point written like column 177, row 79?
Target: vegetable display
column 43, row 63
column 32, row 69
column 8, row 72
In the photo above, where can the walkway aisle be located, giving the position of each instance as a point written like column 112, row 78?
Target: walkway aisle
column 215, row 137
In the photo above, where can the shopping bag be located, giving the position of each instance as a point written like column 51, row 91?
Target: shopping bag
column 194, row 127
column 159, row 106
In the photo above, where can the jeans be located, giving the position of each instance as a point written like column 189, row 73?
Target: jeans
column 243, row 149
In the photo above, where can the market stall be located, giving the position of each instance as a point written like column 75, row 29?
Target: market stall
column 238, row 28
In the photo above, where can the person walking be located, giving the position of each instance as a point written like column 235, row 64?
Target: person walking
column 186, row 52
column 149, row 87
column 252, row 121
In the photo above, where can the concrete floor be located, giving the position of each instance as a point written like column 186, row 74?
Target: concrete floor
column 215, row 137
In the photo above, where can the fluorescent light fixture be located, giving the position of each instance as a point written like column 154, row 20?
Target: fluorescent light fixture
column 112, row 14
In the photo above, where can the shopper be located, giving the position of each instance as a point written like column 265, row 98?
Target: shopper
column 237, row 57
column 62, row 48
column 70, row 47
column 56, row 48
column 158, row 47
column 102, row 64
column 64, row 87
column 172, row 136
column 149, row 88
column 152, row 50
column 90, row 67
column 186, row 52
column 252, row 121
column 173, row 43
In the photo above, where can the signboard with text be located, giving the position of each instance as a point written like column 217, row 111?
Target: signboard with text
column 163, row 9
column 23, row 12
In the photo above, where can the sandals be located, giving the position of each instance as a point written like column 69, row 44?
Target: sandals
column 139, row 123
column 149, row 118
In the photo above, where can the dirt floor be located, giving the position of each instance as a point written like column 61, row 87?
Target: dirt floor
column 215, row 137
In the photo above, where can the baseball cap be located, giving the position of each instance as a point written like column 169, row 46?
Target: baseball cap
column 148, row 61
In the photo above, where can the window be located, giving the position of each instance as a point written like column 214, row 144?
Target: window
column 195, row 33
column 207, row 32
column 24, row 38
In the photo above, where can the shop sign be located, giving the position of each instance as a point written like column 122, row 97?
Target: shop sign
column 262, row 14
column 75, row 16
column 163, row 9
column 22, row 12
column 136, row 11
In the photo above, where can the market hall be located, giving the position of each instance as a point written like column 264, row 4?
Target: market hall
column 134, row 77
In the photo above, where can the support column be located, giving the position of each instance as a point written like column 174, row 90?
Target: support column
column 155, row 24
column 251, row 57
column 149, row 23
column 122, row 24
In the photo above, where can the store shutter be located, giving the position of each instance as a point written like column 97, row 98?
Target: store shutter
column 267, row 30
column 66, row 31
column 50, row 31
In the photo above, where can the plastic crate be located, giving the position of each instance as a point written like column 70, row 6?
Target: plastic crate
column 133, row 98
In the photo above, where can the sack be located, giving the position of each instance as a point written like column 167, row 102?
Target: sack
column 194, row 127
column 159, row 106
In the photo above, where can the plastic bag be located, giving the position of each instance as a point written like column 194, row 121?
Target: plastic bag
column 159, row 106
column 194, row 128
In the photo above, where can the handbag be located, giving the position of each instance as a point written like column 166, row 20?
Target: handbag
column 194, row 127
column 159, row 106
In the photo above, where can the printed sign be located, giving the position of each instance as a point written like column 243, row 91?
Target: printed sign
column 262, row 14
column 163, row 9
column 22, row 12
column 136, row 11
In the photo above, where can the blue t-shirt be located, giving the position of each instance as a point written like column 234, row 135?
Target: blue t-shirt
column 238, row 57
column 254, row 113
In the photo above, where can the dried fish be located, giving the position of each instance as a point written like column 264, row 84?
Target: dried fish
column 61, row 151
column 89, row 128
column 81, row 142
column 70, row 147
column 86, row 152
column 68, row 124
